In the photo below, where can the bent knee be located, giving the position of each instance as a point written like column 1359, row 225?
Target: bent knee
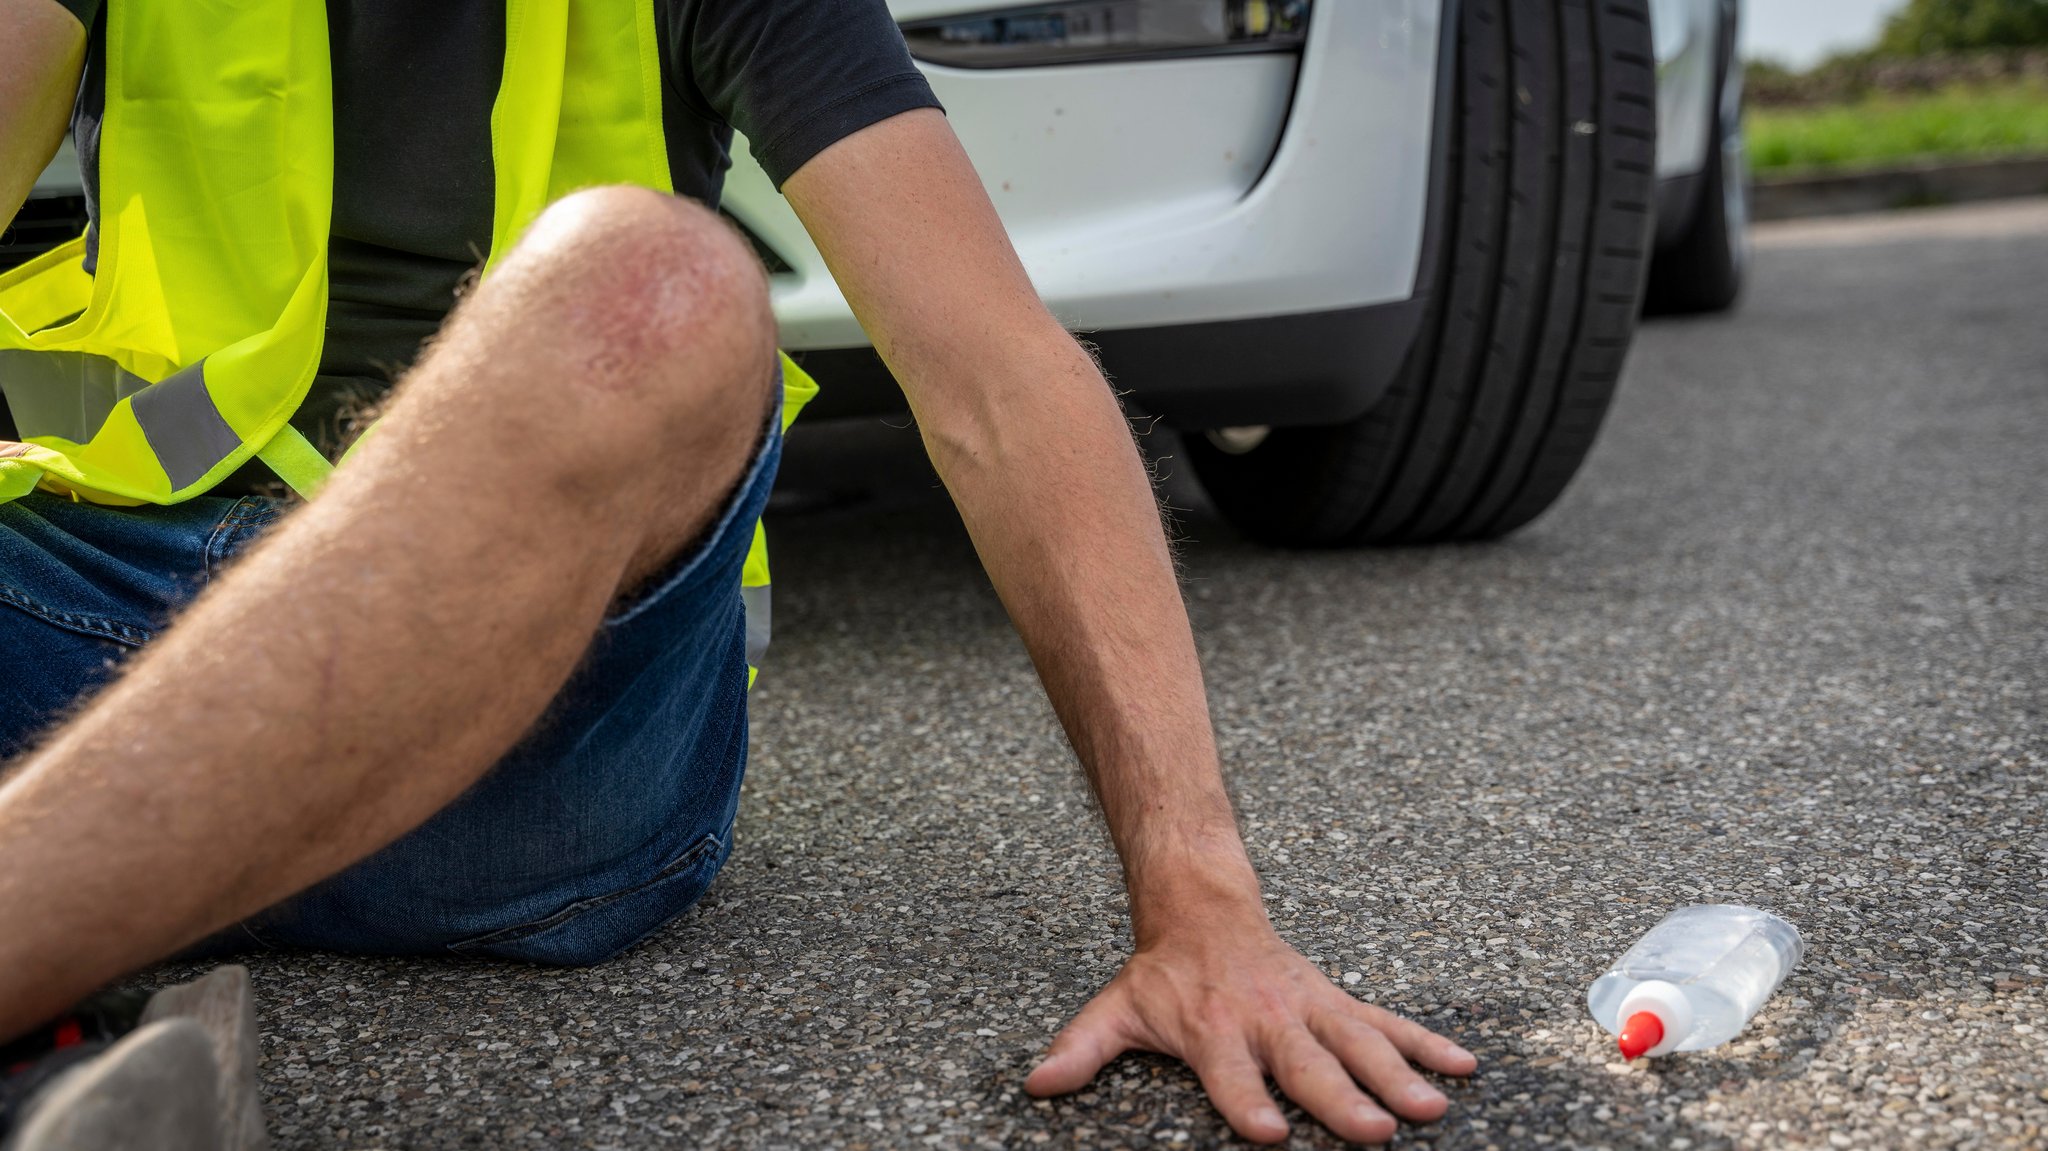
column 652, row 297
column 641, row 258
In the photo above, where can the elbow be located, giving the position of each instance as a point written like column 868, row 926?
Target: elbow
column 1048, row 393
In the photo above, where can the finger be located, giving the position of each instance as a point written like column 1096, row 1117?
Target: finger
column 1097, row 1035
column 1418, row 1043
column 1238, row 1089
column 1314, row 1078
column 1374, row 1061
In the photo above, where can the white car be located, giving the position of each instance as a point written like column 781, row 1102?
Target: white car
column 1381, row 259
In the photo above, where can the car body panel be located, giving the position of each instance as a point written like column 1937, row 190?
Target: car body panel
column 61, row 177
column 1180, row 191
column 1687, row 36
column 1063, row 167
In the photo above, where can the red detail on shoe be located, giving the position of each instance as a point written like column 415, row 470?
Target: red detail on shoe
column 1642, row 1032
column 68, row 1034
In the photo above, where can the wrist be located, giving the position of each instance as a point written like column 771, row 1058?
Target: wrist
column 1195, row 883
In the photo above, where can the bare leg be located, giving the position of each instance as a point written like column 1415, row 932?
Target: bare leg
column 578, row 422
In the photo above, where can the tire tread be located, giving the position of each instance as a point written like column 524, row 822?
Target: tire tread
column 1545, row 245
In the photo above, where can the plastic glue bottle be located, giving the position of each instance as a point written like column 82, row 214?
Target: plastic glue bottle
column 1695, row 979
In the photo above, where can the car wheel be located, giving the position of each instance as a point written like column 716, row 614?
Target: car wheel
column 1542, row 235
column 1702, row 270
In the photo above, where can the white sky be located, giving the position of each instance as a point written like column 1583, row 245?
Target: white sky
column 1801, row 32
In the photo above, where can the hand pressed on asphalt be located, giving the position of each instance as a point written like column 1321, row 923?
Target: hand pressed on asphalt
column 1238, row 1007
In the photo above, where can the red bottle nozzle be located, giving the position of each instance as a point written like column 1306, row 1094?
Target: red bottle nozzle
column 1642, row 1032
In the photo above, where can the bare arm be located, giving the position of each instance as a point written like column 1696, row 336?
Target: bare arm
column 1035, row 451
column 42, row 49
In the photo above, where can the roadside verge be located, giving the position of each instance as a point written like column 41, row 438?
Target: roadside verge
column 1913, row 185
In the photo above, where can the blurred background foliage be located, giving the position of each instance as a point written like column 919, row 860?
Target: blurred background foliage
column 1945, row 78
column 1927, row 27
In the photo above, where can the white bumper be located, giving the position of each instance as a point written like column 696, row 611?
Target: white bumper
column 1155, row 193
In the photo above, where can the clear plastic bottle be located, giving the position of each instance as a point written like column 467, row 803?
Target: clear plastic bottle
column 1695, row 979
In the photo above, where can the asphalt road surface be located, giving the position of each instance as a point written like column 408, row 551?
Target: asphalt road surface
column 1782, row 643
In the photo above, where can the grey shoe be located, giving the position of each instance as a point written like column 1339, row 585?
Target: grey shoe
column 158, row 1089
column 222, row 1004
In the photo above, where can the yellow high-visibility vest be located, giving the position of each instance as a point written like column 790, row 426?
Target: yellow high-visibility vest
column 152, row 379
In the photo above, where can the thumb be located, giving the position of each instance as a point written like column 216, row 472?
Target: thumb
column 1096, row 1036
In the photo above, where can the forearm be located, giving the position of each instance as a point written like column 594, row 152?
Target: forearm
column 1042, row 465
column 42, row 48
column 1037, row 455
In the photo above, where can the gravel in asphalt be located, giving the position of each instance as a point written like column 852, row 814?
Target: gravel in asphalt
column 1782, row 643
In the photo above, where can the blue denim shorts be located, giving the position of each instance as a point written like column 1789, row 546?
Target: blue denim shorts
column 607, row 820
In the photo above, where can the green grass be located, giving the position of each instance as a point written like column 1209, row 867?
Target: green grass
column 1959, row 122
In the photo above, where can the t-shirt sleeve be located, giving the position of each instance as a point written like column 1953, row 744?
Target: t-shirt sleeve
column 796, row 76
column 85, row 10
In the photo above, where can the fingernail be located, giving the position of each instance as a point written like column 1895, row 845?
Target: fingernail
column 1424, row 1093
column 1367, row 1113
column 1457, row 1051
column 1268, row 1117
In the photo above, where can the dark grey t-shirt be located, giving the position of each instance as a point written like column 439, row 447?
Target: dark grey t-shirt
column 413, row 88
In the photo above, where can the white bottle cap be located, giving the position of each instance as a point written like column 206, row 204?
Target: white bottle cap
column 1668, row 1003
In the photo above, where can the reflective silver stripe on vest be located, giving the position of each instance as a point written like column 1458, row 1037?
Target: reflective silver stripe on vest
column 183, row 426
column 70, row 394
column 757, row 604
column 63, row 394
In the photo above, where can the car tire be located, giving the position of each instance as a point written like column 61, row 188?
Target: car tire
column 1541, row 238
column 1702, row 270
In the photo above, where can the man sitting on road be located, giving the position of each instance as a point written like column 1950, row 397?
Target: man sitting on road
column 487, row 693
